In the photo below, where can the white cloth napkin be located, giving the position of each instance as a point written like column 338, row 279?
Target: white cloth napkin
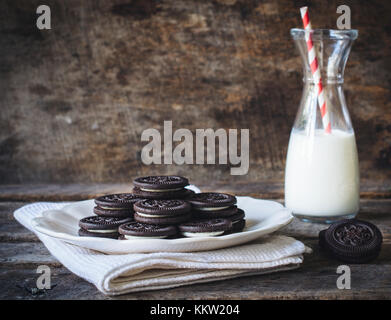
column 119, row 274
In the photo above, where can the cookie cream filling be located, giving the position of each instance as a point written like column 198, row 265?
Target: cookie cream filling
column 212, row 209
column 112, row 208
column 164, row 190
column 102, row 231
column 202, row 234
column 153, row 215
column 142, row 237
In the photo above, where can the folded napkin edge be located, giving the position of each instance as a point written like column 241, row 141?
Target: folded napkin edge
column 195, row 278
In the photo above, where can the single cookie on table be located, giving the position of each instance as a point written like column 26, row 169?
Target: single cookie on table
column 205, row 228
column 161, row 187
column 351, row 240
column 238, row 221
column 104, row 227
column 118, row 205
column 137, row 230
column 162, row 212
column 210, row 205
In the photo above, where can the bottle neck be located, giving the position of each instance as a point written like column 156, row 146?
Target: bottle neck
column 325, row 80
column 330, row 74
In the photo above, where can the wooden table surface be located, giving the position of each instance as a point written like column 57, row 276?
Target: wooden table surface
column 21, row 253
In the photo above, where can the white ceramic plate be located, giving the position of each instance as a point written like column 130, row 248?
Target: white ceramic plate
column 262, row 217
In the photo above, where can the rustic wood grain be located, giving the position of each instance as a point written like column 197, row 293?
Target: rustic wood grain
column 10, row 230
column 76, row 98
column 76, row 191
column 21, row 253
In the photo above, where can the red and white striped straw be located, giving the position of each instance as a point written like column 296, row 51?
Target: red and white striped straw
column 315, row 69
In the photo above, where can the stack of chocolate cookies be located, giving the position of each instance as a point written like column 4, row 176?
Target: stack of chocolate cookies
column 161, row 207
column 110, row 212
column 164, row 207
column 212, row 205
column 156, row 219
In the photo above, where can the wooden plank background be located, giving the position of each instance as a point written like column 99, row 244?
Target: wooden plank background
column 75, row 99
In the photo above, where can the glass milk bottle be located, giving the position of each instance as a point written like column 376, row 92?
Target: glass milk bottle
column 322, row 174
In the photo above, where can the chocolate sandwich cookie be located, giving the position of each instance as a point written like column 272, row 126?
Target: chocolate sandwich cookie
column 137, row 230
column 351, row 240
column 161, row 187
column 238, row 221
column 209, row 205
column 166, row 195
column 162, row 212
column 205, row 228
column 85, row 233
column 214, row 214
column 116, row 205
column 97, row 226
column 127, row 213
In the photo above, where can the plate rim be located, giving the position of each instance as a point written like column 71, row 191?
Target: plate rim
column 73, row 239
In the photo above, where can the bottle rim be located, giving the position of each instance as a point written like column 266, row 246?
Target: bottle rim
column 320, row 34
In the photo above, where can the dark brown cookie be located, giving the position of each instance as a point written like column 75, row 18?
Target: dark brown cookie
column 85, row 233
column 127, row 213
column 162, row 212
column 118, row 201
column 212, row 213
column 238, row 221
column 133, row 230
column 101, row 226
column 205, row 228
column 160, row 220
column 351, row 240
column 167, row 194
column 238, row 226
column 161, row 187
column 211, row 200
column 239, row 215
column 162, row 207
column 152, row 183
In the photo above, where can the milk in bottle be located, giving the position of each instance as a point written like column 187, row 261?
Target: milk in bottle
column 322, row 177
column 322, row 174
